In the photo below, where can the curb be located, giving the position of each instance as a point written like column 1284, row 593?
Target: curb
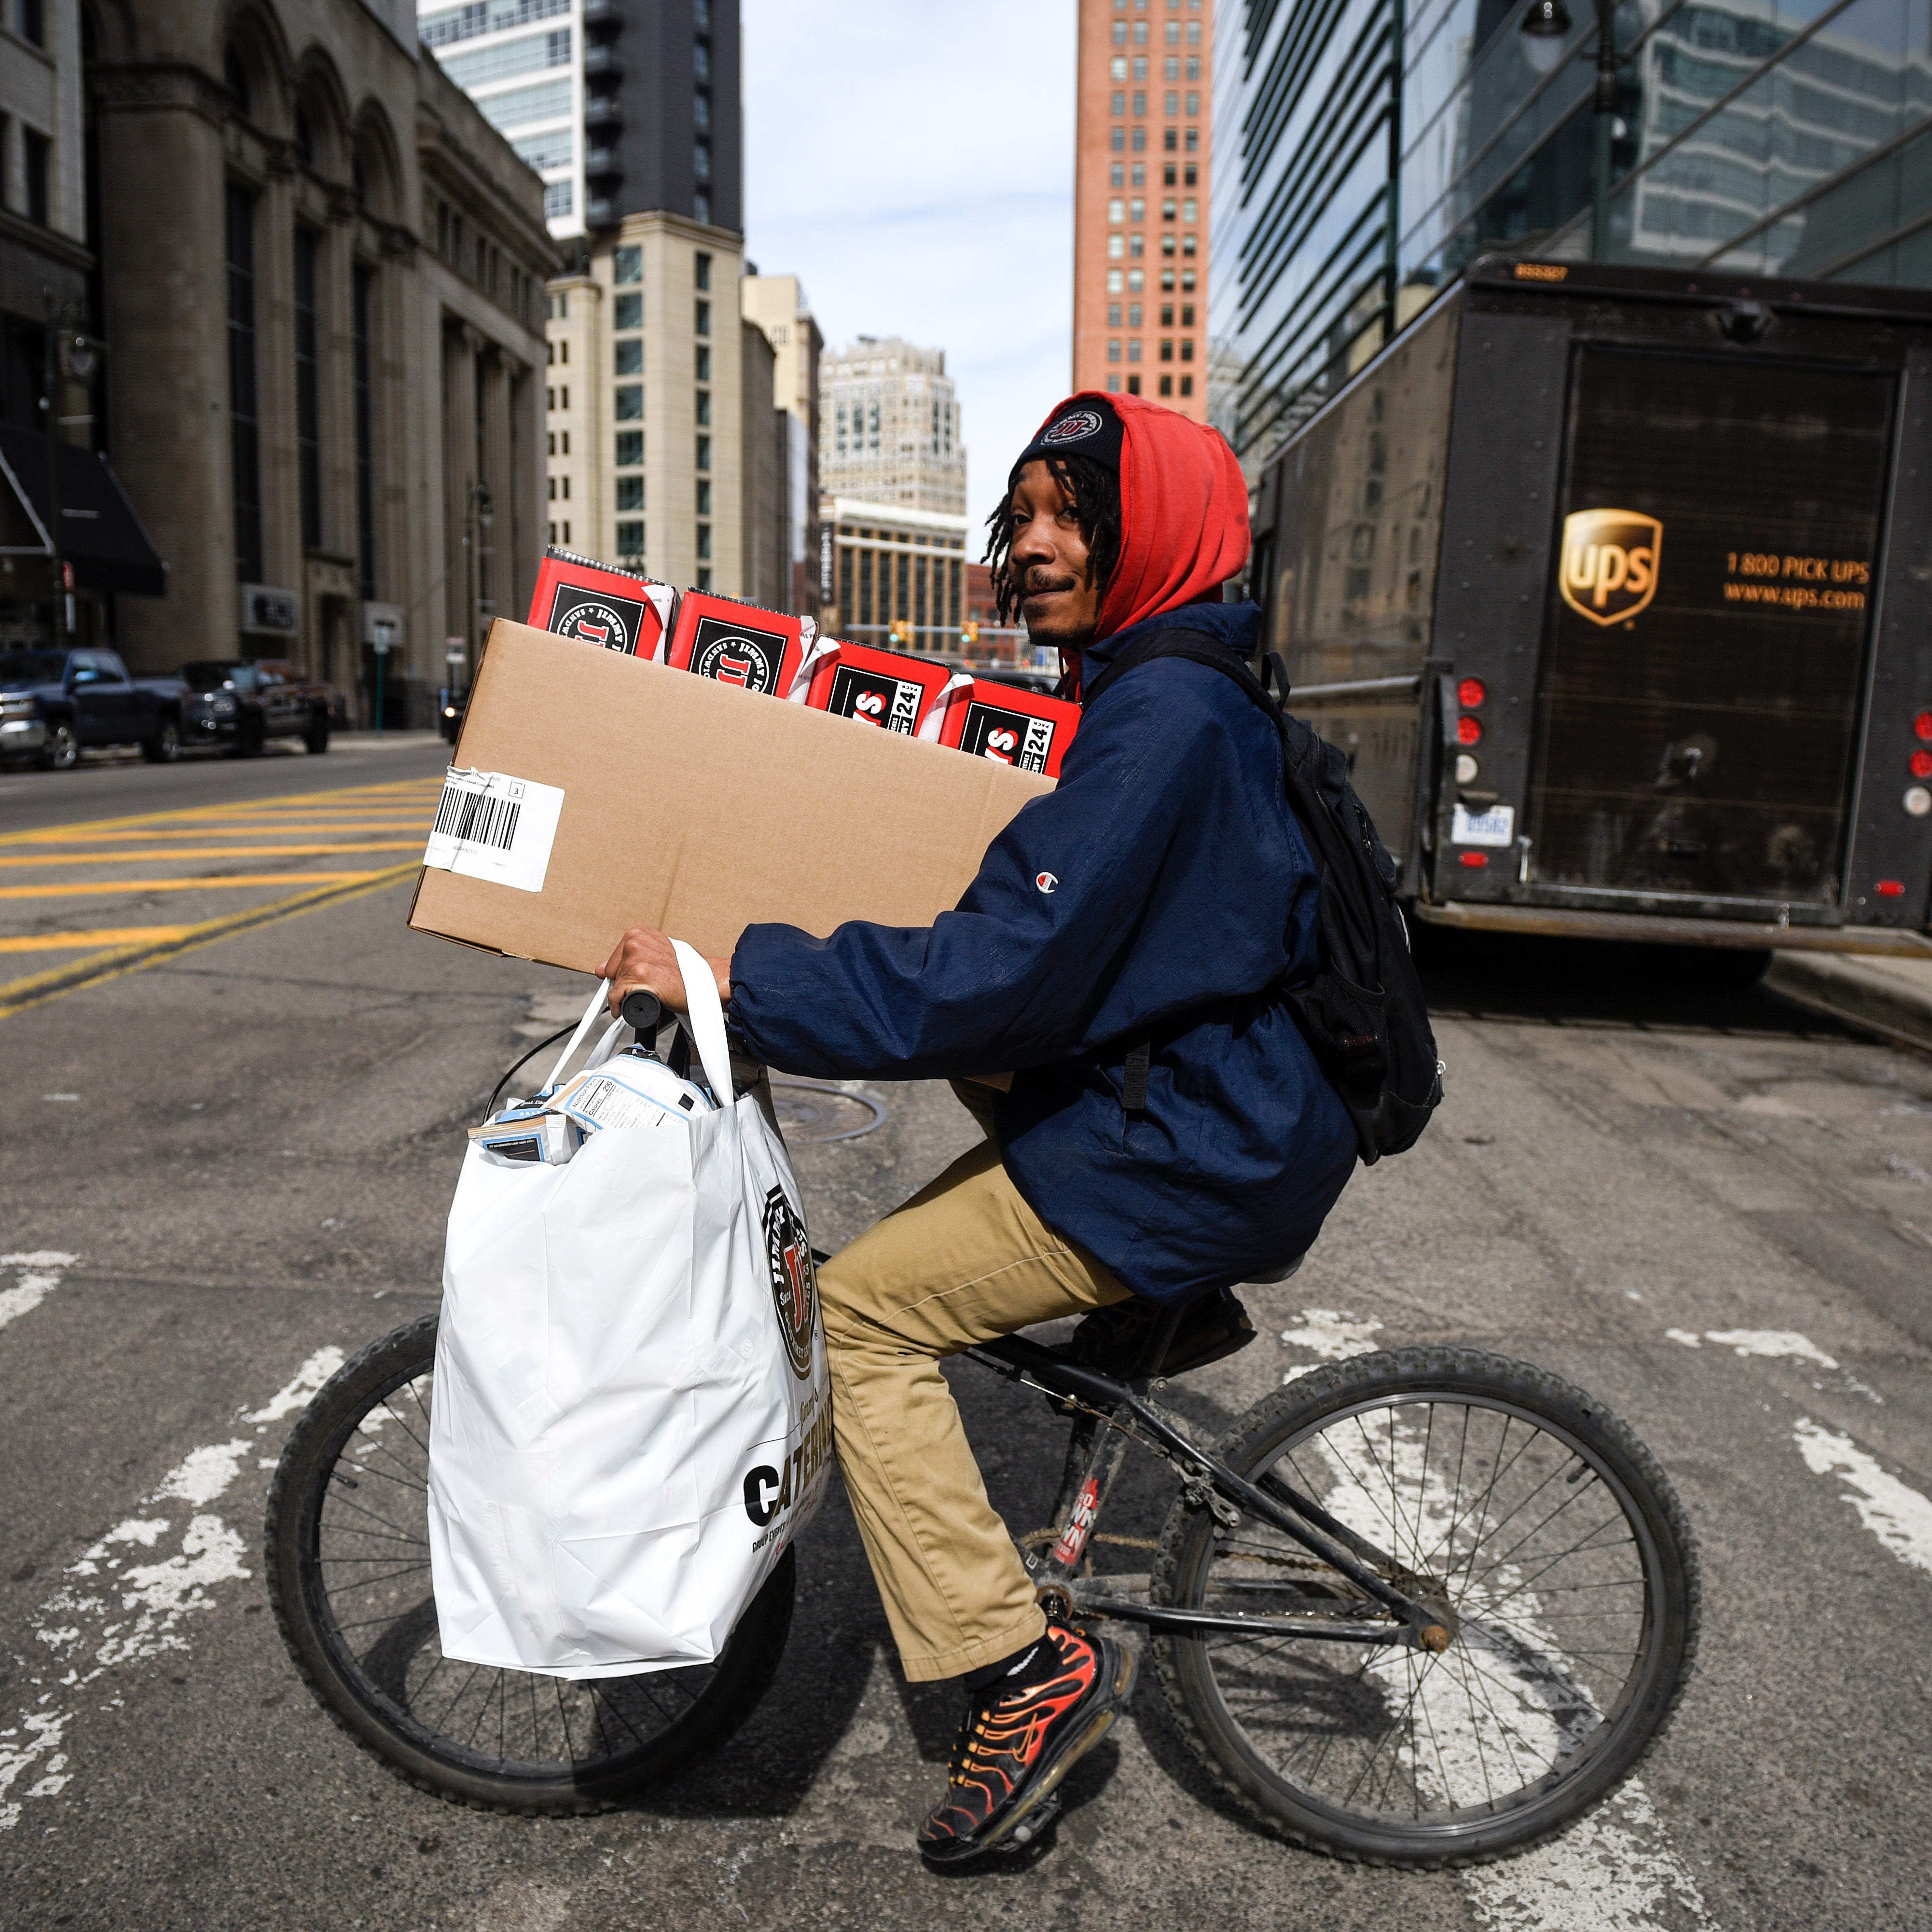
column 1890, row 997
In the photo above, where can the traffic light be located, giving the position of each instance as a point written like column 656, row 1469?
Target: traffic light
column 970, row 634
column 901, row 631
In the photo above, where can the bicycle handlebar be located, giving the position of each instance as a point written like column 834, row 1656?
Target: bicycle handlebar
column 641, row 1012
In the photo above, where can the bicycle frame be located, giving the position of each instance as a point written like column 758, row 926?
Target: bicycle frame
column 1108, row 1415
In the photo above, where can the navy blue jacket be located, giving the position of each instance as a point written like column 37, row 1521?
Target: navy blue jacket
column 1162, row 890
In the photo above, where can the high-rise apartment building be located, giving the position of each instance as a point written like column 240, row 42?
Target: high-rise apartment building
column 777, row 305
column 1143, row 120
column 620, row 105
column 656, row 456
column 889, row 421
column 1779, row 137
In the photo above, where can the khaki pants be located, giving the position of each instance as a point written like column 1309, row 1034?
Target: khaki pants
column 965, row 1260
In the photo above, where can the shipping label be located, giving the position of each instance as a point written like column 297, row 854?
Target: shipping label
column 491, row 825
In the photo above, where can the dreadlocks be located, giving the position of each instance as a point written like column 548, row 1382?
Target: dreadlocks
column 1094, row 490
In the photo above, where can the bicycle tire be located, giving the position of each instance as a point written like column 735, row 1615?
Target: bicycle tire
column 372, row 1698
column 1603, row 1726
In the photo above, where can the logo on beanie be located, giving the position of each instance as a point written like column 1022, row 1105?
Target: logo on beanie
column 1075, row 427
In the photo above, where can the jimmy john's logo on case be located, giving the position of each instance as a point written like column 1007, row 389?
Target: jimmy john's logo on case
column 1008, row 737
column 1608, row 571
column 891, row 702
column 612, row 622
column 794, row 1280
column 732, row 654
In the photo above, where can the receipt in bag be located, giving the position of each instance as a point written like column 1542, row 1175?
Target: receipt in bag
column 632, row 1414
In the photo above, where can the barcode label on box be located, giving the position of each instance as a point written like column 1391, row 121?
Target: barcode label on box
column 490, row 825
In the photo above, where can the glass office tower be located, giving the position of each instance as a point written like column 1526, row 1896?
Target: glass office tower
column 1785, row 137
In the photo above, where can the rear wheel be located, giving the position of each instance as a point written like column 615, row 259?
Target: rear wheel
column 315, row 737
column 1562, row 1564
column 348, row 1577
column 164, row 747
column 61, row 752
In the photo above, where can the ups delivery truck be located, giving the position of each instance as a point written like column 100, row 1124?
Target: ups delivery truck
column 1615, row 584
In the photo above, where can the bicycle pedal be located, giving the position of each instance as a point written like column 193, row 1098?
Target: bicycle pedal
column 1029, row 1827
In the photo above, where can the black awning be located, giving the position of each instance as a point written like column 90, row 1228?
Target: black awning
column 100, row 534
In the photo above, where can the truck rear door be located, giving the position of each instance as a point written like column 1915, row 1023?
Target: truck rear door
column 1701, row 687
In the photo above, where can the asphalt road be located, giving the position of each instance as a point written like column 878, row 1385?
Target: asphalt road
column 229, row 1163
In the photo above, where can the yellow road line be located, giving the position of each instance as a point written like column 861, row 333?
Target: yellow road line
column 182, row 885
column 55, row 983
column 78, row 942
column 208, row 852
column 356, row 797
column 224, row 831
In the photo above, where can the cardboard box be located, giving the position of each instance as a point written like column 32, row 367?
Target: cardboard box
column 886, row 688
column 578, row 597
column 738, row 643
column 686, row 808
column 1007, row 725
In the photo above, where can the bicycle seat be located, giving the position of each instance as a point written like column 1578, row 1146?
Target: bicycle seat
column 1113, row 1340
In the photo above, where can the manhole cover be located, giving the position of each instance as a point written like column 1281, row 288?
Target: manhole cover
column 809, row 1110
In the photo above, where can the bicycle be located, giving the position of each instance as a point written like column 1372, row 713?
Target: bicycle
column 1421, row 1607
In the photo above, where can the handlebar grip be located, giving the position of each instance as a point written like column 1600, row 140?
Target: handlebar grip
column 641, row 1012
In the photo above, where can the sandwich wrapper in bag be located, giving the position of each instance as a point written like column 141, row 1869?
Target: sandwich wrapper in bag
column 632, row 1416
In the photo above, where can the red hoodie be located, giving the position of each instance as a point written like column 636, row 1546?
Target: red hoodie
column 1184, row 510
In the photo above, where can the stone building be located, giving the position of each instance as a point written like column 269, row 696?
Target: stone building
column 321, row 274
column 890, row 419
column 894, row 576
column 777, row 304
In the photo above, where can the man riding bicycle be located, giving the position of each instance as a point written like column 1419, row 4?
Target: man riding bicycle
column 1123, row 953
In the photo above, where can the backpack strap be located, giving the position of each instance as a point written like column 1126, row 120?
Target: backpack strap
column 1197, row 647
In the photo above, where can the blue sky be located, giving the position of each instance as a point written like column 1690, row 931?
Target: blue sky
column 913, row 163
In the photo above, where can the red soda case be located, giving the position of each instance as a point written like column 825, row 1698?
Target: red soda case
column 886, row 688
column 578, row 597
column 989, row 720
column 738, row 643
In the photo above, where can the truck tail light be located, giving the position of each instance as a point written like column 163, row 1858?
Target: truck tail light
column 1468, row 731
column 1890, row 888
column 1921, row 726
column 1922, row 764
column 1471, row 692
column 1476, row 859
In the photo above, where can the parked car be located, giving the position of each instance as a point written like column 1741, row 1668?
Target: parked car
column 240, row 703
column 55, row 703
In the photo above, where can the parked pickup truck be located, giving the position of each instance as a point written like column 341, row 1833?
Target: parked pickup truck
column 53, row 704
column 240, row 703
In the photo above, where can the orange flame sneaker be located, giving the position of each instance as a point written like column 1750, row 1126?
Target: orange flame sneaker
column 1016, row 1745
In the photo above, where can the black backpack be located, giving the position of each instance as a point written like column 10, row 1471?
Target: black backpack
column 1363, row 1015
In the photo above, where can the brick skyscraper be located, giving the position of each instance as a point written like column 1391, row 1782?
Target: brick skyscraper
column 1140, row 200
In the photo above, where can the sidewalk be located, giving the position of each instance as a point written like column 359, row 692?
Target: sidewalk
column 1890, row 996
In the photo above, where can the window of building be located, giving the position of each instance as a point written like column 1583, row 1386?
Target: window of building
column 704, row 496
column 1140, row 174
column 553, row 489
column 630, row 493
column 563, row 308
column 1187, row 245
column 1171, row 103
column 30, row 21
column 1190, row 209
column 1187, row 278
column 630, row 448
column 704, row 541
column 701, row 15
column 243, row 422
column 559, row 200
column 630, row 402
column 1117, row 105
column 1137, row 244
column 1167, row 349
column 1168, row 140
column 1167, row 385
column 552, row 442
column 308, row 389
column 553, row 534
column 1187, row 315
column 1167, row 315
column 563, row 396
column 1187, row 350
column 631, row 537
column 703, row 581
column 1113, row 315
column 563, row 443
column 1194, row 33
column 700, row 111
column 566, row 490
column 1117, row 247
column 1193, row 137
column 1135, row 278
column 1117, row 68
column 1167, row 208
column 700, row 60
column 702, row 321
column 704, row 417
column 1116, row 139
column 1187, row 385
column 1113, row 350
column 627, row 264
column 1133, row 315
column 36, row 152
column 1192, row 171
column 1193, row 107
column 1140, row 139
column 1137, row 209
column 1116, row 208
column 628, row 357
column 700, row 206
column 1167, row 175
column 1133, row 385
column 700, row 270
column 1140, row 105
column 628, row 312
column 703, row 453
column 362, row 300
column 1167, row 244
column 1170, row 70
column 1134, row 353
column 1167, row 278
column 1194, row 73
column 1120, row 33
column 1113, row 385
column 1114, row 280
column 700, row 160
column 704, row 355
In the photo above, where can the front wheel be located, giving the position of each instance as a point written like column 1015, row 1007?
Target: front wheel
column 315, row 739
column 62, row 751
column 348, row 1577
column 164, row 747
column 1553, row 1543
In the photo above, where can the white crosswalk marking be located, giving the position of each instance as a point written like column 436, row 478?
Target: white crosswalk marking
column 1900, row 1517
column 40, row 1276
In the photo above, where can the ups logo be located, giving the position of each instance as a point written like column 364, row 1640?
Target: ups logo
column 1610, row 563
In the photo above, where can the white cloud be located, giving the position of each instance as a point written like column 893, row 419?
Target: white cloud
column 913, row 165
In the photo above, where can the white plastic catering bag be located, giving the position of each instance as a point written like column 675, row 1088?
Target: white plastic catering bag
column 631, row 1417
